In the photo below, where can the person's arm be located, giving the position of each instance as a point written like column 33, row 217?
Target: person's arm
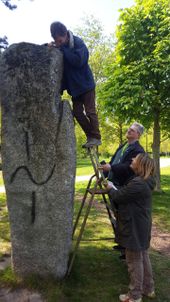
column 105, row 168
column 127, row 193
column 124, row 169
column 78, row 55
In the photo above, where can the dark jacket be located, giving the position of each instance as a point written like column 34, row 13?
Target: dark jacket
column 134, row 203
column 77, row 77
column 122, row 172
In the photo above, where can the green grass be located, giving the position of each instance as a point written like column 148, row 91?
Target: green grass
column 161, row 202
column 84, row 167
column 97, row 273
column 4, row 227
column 1, row 179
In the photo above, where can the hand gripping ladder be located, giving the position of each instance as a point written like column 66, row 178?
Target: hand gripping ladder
column 92, row 189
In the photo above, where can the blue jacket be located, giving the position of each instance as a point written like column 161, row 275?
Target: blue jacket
column 77, row 77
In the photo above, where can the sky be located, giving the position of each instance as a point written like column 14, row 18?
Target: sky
column 30, row 22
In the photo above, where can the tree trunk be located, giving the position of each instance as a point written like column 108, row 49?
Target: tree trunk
column 156, row 148
column 120, row 125
column 146, row 148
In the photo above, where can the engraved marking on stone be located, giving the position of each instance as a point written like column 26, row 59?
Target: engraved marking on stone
column 33, row 207
column 60, row 109
column 30, row 175
column 27, row 144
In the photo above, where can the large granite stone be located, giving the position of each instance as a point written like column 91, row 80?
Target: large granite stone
column 38, row 159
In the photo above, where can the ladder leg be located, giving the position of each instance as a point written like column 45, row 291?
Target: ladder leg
column 93, row 152
column 80, row 234
column 92, row 157
column 112, row 220
column 81, row 207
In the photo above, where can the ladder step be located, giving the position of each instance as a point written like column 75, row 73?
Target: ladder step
column 97, row 191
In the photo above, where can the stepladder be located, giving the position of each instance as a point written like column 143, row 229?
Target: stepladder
column 95, row 186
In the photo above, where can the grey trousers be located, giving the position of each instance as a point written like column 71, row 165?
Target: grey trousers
column 140, row 271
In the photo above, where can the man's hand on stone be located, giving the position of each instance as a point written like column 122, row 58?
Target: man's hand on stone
column 52, row 44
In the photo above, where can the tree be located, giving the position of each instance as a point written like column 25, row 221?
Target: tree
column 4, row 40
column 3, row 43
column 8, row 4
column 138, row 81
column 98, row 44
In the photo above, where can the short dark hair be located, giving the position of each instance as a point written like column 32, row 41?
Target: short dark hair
column 58, row 29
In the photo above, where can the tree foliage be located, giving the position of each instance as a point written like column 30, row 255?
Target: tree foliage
column 138, row 79
column 8, row 4
column 98, row 44
column 4, row 40
column 139, row 75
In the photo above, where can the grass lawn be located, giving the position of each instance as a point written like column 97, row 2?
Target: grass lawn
column 1, row 179
column 161, row 202
column 84, row 167
column 97, row 273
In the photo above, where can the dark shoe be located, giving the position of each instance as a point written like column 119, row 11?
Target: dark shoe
column 92, row 142
column 118, row 248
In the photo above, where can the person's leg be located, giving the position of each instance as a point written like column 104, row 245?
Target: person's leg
column 78, row 112
column 90, row 110
column 148, row 282
column 85, row 113
column 134, row 262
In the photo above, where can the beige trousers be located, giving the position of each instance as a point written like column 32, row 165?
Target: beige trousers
column 140, row 271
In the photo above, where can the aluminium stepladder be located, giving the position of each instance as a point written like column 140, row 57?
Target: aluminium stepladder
column 92, row 189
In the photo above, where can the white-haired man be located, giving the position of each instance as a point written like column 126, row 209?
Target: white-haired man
column 119, row 170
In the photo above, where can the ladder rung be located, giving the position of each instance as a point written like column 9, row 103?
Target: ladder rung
column 97, row 191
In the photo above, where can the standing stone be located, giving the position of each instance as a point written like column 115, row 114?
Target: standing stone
column 38, row 159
